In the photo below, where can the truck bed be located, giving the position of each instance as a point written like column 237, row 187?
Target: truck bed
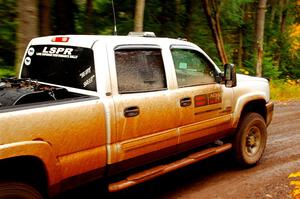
column 20, row 92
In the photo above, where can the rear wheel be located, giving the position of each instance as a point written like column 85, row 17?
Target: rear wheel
column 250, row 140
column 16, row 190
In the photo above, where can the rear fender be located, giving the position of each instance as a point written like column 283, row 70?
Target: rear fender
column 39, row 149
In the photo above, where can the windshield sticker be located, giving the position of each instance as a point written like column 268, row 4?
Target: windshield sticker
column 31, row 51
column 183, row 65
column 86, row 72
column 89, row 81
column 27, row 61
column 57, row 52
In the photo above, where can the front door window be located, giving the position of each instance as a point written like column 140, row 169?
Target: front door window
column 192, row 68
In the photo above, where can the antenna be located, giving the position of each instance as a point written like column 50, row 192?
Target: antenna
column 115, row 21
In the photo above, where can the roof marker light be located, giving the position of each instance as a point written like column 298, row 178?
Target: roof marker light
column 60, row 39
column 142, row 34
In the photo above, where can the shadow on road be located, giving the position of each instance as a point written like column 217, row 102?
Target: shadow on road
column 160, row 187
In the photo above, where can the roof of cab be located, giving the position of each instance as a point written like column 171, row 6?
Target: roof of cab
column 88, row 40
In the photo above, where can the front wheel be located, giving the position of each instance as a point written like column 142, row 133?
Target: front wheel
column 16, row 190
column 250, row 140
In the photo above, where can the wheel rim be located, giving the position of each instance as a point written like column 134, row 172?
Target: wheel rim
column 253, row 141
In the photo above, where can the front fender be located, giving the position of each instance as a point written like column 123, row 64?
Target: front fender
column 241, row 103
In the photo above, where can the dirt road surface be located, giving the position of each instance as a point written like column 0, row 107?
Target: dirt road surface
column 219, row 178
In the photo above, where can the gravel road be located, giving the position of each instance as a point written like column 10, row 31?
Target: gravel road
column 218, row 178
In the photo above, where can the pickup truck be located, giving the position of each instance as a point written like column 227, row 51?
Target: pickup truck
column 122, row 108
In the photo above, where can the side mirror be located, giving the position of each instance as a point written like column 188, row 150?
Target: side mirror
column 229, row 75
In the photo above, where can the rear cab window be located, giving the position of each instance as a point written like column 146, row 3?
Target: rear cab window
column 61, row 65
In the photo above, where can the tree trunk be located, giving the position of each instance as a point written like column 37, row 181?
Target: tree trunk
column 240, row 50
column 64, row 16
column 89, row 14
column 178, row 16
column 284, row 15
column 45, row 13
column 241, row 31
column 169, row 24
column 273, row 12
column 259, row 36
column 139, row 15
column 188, row 26
column 177, row 3
column 213, row 17
column 27, row 14
column 282, row 27
column 219, row 32
column 248, row 22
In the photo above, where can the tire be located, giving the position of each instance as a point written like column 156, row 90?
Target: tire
column 16, row 190
column 250, row 140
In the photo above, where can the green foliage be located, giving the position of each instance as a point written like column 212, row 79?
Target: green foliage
column 233, row 12
column 7, row 32
column 184, row 19
column 270, row 70
column 7, row 72
column 249, row 66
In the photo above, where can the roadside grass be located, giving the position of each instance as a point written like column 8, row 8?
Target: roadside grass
column 284, row 90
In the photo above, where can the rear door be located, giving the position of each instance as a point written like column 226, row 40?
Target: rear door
column 146, row 111
column 205, row 105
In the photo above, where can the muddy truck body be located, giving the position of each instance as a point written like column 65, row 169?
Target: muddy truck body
column 122, row 108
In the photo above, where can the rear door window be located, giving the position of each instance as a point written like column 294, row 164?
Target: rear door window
column 140, row 70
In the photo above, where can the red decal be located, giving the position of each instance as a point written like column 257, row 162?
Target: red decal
column 200, row 100
column 207, row 99
column 214, row 98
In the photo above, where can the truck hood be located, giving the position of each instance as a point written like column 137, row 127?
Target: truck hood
column 248, row 85
column 246, row 78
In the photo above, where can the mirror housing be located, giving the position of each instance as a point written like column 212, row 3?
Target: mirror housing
column 229, row 75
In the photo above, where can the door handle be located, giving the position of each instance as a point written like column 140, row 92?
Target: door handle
column 187, row 101
column 131, row 111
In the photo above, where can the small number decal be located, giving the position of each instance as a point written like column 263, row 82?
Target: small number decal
column 207, row 99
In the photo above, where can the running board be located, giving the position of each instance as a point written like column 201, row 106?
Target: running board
column 149, row 174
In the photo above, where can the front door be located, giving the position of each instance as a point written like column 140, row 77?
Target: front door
column 205, row 110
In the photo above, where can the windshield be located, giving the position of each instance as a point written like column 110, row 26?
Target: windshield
column 62, row 65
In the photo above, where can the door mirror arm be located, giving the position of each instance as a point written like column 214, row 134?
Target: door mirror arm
column 220, row 78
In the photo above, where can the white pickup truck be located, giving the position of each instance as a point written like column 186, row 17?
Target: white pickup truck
column 88, row 107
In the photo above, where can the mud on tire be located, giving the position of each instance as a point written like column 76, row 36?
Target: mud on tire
column 250, row 140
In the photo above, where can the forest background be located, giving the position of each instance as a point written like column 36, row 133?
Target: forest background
column 260, row 37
